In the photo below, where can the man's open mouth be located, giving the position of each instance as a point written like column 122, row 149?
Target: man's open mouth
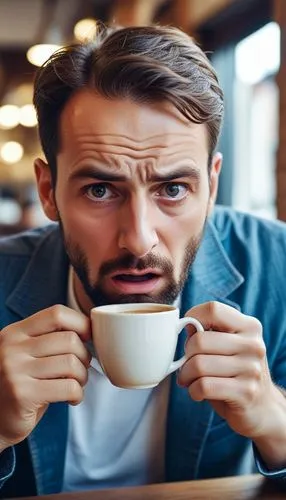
column 135, row 281
column 135, row 278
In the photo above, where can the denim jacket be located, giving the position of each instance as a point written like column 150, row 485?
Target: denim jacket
column 241, row 262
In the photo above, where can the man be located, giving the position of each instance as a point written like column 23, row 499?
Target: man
column 129, row 127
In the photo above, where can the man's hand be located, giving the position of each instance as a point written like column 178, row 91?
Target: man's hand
column 42, row 360
column 227, row 365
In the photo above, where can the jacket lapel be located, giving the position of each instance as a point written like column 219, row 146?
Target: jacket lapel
column 212, row 277
column 43, row 284
column 44, row 281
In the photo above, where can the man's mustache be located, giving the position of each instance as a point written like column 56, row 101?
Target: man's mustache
column 130, row 262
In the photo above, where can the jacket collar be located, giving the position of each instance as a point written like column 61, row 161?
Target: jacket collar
column 212, row 268
column 44, row 282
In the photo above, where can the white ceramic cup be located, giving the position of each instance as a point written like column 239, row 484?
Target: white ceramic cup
column 135, row 344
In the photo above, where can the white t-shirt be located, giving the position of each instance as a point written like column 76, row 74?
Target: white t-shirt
column 116, row 437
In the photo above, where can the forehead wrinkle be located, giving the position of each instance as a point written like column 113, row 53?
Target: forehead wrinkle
column 133, row 153
column 121, row 141
column 106, row 138
column 118, row 161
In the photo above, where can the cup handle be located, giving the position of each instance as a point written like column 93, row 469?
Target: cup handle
column 175, row 365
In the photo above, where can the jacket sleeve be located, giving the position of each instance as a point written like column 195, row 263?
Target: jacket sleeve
column 7, row 464
column 279, row 474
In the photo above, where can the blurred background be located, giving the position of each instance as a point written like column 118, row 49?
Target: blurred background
column 246, row 41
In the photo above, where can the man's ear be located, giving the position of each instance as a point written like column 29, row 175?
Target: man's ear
column 46, row 189
column 214, row 180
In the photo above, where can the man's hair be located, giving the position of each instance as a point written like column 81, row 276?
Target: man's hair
column 145, row 64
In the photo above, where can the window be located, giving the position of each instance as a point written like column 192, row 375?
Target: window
column 255, row 121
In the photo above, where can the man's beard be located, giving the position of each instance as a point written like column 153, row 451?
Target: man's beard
column 95, row 291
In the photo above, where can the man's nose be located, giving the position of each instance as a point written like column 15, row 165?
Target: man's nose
column 137, row 232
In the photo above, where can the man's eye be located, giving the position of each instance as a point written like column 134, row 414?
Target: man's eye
column 99, row 191
column 174, row 190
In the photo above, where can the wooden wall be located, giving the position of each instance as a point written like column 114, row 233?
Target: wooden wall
column 279, row 10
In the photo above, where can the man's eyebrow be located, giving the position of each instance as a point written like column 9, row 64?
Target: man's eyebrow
column 111, row 176
column 190, row 172
column 97, row 174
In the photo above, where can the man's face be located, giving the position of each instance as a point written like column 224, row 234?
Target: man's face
column 132, row 195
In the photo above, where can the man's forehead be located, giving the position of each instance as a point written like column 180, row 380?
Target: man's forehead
column 124, row 122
